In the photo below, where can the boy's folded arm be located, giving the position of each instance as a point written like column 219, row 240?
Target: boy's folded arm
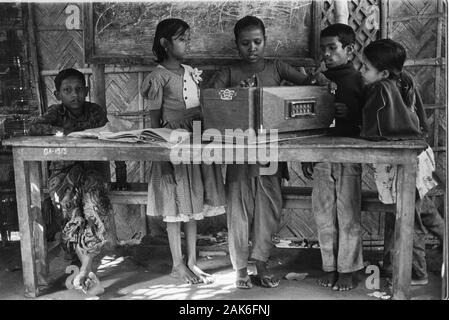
column 44, row 129
column 46, row 124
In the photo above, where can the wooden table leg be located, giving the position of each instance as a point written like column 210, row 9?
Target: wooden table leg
column 22, row 184
column 403, row 233
column 39, row 232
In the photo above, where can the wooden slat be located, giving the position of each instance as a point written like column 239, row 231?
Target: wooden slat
column 34, row 58
column 294, row 198
column 415, row 16
column 425, row 62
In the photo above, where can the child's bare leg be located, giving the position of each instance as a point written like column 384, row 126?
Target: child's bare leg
column 179, row 270
column 345, row 282
column 190, row 229
column 329, row 279
column 86, row 263
column 86, row 278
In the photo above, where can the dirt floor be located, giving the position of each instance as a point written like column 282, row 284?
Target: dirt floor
column 142, row 272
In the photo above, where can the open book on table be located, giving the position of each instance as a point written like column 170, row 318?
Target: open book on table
column 161, row 136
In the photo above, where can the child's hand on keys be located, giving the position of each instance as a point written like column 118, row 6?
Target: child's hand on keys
column 332, row 87
column 341, row 110
column 249, row 82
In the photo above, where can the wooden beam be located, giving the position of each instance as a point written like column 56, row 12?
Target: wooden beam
column 415, row 16
column 293, row 198
column 425, row 62
column 438, row 48
column 31, row 33
column 118, row 69
column 99, row 85
column 142, row 164
column 383, row 19
column 88, row 31
column 317, row 10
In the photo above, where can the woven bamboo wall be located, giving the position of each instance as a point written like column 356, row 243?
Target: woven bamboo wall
column 421, row 37
column 420, row 26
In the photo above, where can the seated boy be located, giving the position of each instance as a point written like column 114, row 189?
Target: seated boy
column 77, row 189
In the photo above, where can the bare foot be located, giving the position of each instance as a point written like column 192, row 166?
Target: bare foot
column 183, row 273
column 328, row 280
column 344, row 282
column 264, row 278
column 80, row 279
column 93, row 285
column 204, row 277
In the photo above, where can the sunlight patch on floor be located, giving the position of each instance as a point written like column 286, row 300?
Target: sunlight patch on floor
column 109, row 262
column 224, row 284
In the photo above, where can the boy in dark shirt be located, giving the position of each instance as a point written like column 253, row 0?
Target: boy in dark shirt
column 77, row 189
column 336, row 195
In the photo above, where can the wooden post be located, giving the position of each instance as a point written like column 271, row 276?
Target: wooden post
column 383, row 19
column 317, row 11
column 341, row 11
column 403, row 233
column 22, row 183
column 142, row 164
column 98, row 85
column 31, row 33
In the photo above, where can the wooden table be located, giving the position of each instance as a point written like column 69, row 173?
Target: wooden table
column 28, row 152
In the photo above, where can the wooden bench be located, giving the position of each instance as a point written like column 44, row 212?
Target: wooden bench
column 294, row 198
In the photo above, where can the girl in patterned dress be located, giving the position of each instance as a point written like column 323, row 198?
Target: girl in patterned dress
column 185, row 192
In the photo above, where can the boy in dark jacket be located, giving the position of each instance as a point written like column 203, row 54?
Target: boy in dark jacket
column 336, row 195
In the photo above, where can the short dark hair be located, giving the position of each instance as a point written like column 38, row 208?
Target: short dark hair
column 167, row 28
column 386, row 54
column 67, row 73
column 345, row 33
column 248, row 22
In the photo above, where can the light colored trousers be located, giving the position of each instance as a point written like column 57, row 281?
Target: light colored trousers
column 336, row 204
column 254, row 208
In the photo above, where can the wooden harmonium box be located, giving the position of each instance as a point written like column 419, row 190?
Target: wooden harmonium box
column 297, row 109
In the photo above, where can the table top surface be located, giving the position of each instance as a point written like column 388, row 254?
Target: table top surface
column 297, row 143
